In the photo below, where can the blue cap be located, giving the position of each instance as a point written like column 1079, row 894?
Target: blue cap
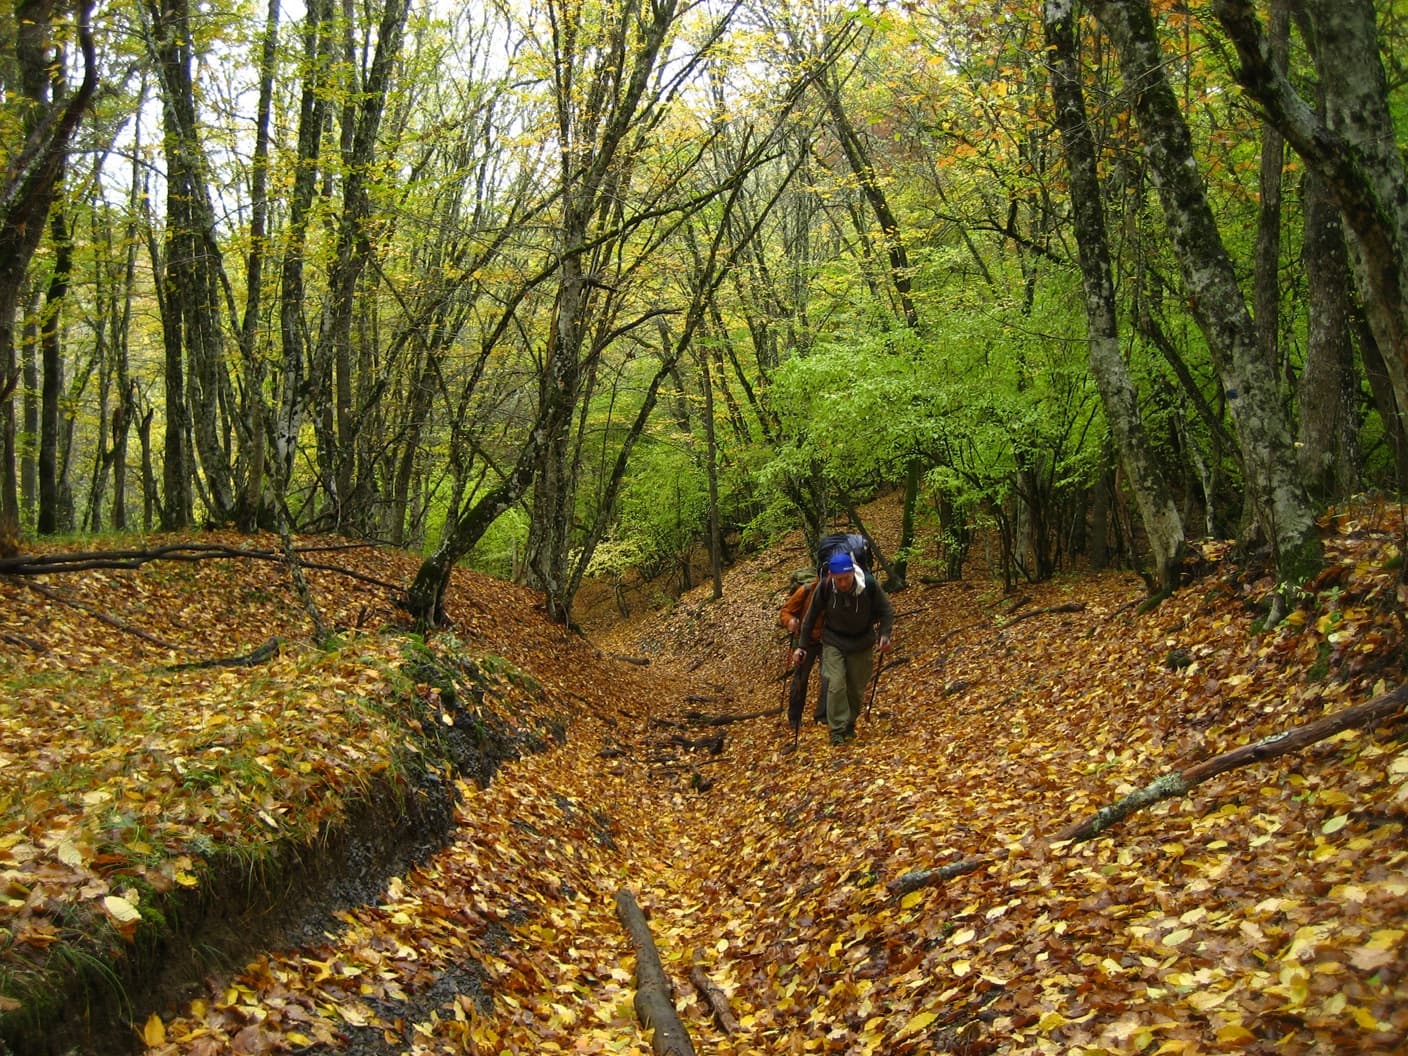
column 840, row 562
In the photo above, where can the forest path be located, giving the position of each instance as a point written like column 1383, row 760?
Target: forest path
column 1263, row 912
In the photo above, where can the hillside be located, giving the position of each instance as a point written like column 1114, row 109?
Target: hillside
column 1262, row 912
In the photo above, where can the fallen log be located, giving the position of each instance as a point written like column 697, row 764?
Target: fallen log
column 715, row 998
column 917, row 878
column 1180, row 782
column 655, row 996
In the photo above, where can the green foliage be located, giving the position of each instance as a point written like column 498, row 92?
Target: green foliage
column 663, row 510
column 502, row 544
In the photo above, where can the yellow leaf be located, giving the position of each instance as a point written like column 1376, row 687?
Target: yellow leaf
column 121, row 910
column 1235, row 1034
column 917, row 1023
column 1179, row 937
column 1296, row 980
column 1051, row 1021
column 1385, row 938
column 911, row 899
column 154, row 1032
column 1334, row 824
column 1367, row 1020
column 1203, row 1000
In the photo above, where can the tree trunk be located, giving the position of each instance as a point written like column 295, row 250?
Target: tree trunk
column 192, row 258
column 1278, row 496
column 711, row 461
column 1354, row 150
column 51, row 515
column 1152, row 495
column 615, row 70
column 251, row 424
column 1266, row 264
column 1328, row 391
column 333, row 358
column 126, row 408
column 293, row 392
column 35, row 170
column 29, row 379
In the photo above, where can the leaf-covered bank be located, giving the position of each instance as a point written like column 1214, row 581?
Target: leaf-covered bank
column 165, row 817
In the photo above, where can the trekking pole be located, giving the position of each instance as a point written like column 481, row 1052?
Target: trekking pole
column 875, row 681
column 787, row 672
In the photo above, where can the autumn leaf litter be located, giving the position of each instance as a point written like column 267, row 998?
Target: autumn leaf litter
column 1262, row 913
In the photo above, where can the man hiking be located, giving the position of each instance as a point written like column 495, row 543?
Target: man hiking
column 855, row 608
column 791, row 617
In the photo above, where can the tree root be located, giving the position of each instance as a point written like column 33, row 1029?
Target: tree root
column 267, row 651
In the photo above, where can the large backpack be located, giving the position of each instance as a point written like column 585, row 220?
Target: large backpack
column 853, row 543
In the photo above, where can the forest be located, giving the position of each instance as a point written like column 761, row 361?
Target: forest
column 577, row 288
column 413, row 415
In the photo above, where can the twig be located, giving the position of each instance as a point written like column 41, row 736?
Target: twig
column 716, row 999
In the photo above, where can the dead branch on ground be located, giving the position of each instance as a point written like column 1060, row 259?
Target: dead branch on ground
column 267, row 651
column 655, row 995
column 1069, row 606
column 54, row 564
column 715, row 998
column 102, row 617
column 1179, row 782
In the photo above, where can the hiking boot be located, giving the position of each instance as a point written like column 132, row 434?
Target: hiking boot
column 820, row 715
column 838, row 739
column 850, row 732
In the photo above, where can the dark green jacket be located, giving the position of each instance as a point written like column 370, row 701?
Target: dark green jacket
column 850, row 618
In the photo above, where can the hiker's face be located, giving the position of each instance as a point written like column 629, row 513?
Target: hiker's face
column 843, row 580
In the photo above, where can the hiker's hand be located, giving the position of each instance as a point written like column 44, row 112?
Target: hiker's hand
column 793, row 623
column 884, row 642
column 798, row 655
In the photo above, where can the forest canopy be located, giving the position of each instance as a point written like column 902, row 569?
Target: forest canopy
column 593, row 285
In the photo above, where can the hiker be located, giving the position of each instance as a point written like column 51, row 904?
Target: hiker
column 793, row 610
column 855, row 608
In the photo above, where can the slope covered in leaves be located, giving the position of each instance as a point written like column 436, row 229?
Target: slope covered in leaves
column 1263, row 912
